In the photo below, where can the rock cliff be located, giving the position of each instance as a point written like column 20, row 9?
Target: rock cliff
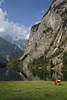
column 44, row 54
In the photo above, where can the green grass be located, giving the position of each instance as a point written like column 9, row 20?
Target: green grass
column 32, row 90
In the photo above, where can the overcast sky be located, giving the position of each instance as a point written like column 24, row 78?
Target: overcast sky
column 17, row 16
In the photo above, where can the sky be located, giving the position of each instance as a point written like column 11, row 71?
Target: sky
column 17, row 16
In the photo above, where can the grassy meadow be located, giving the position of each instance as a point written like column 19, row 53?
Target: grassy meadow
column 32, row 90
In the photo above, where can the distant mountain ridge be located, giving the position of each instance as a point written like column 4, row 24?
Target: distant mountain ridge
column 8, row 51
column 20, row 43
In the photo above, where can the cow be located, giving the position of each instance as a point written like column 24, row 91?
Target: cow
column 57, row 82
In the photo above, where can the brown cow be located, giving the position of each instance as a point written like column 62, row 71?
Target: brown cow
column 58, row 82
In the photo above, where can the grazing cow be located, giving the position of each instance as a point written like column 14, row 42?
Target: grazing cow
column 58, row 82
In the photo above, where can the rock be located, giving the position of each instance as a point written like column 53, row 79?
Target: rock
column 48, row 39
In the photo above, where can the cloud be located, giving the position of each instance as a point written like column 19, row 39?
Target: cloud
column 37, row 22
column 27, row 36
column 3, row 14
column 1, row 2
column 44, row 11
column 2, row 30
column 12, row 29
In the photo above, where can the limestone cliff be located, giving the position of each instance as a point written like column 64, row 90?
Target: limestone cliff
column 43, row 56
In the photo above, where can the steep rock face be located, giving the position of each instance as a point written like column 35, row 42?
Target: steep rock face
column 48, row 39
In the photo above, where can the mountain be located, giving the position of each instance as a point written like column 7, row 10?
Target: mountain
column 8, row 51
column 7, row 75
column 45, row 56
column 20, row 43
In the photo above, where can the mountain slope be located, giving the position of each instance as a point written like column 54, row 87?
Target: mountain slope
column 45, row 54
column 7, row 75
column 8, row 51
column 20, row 43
